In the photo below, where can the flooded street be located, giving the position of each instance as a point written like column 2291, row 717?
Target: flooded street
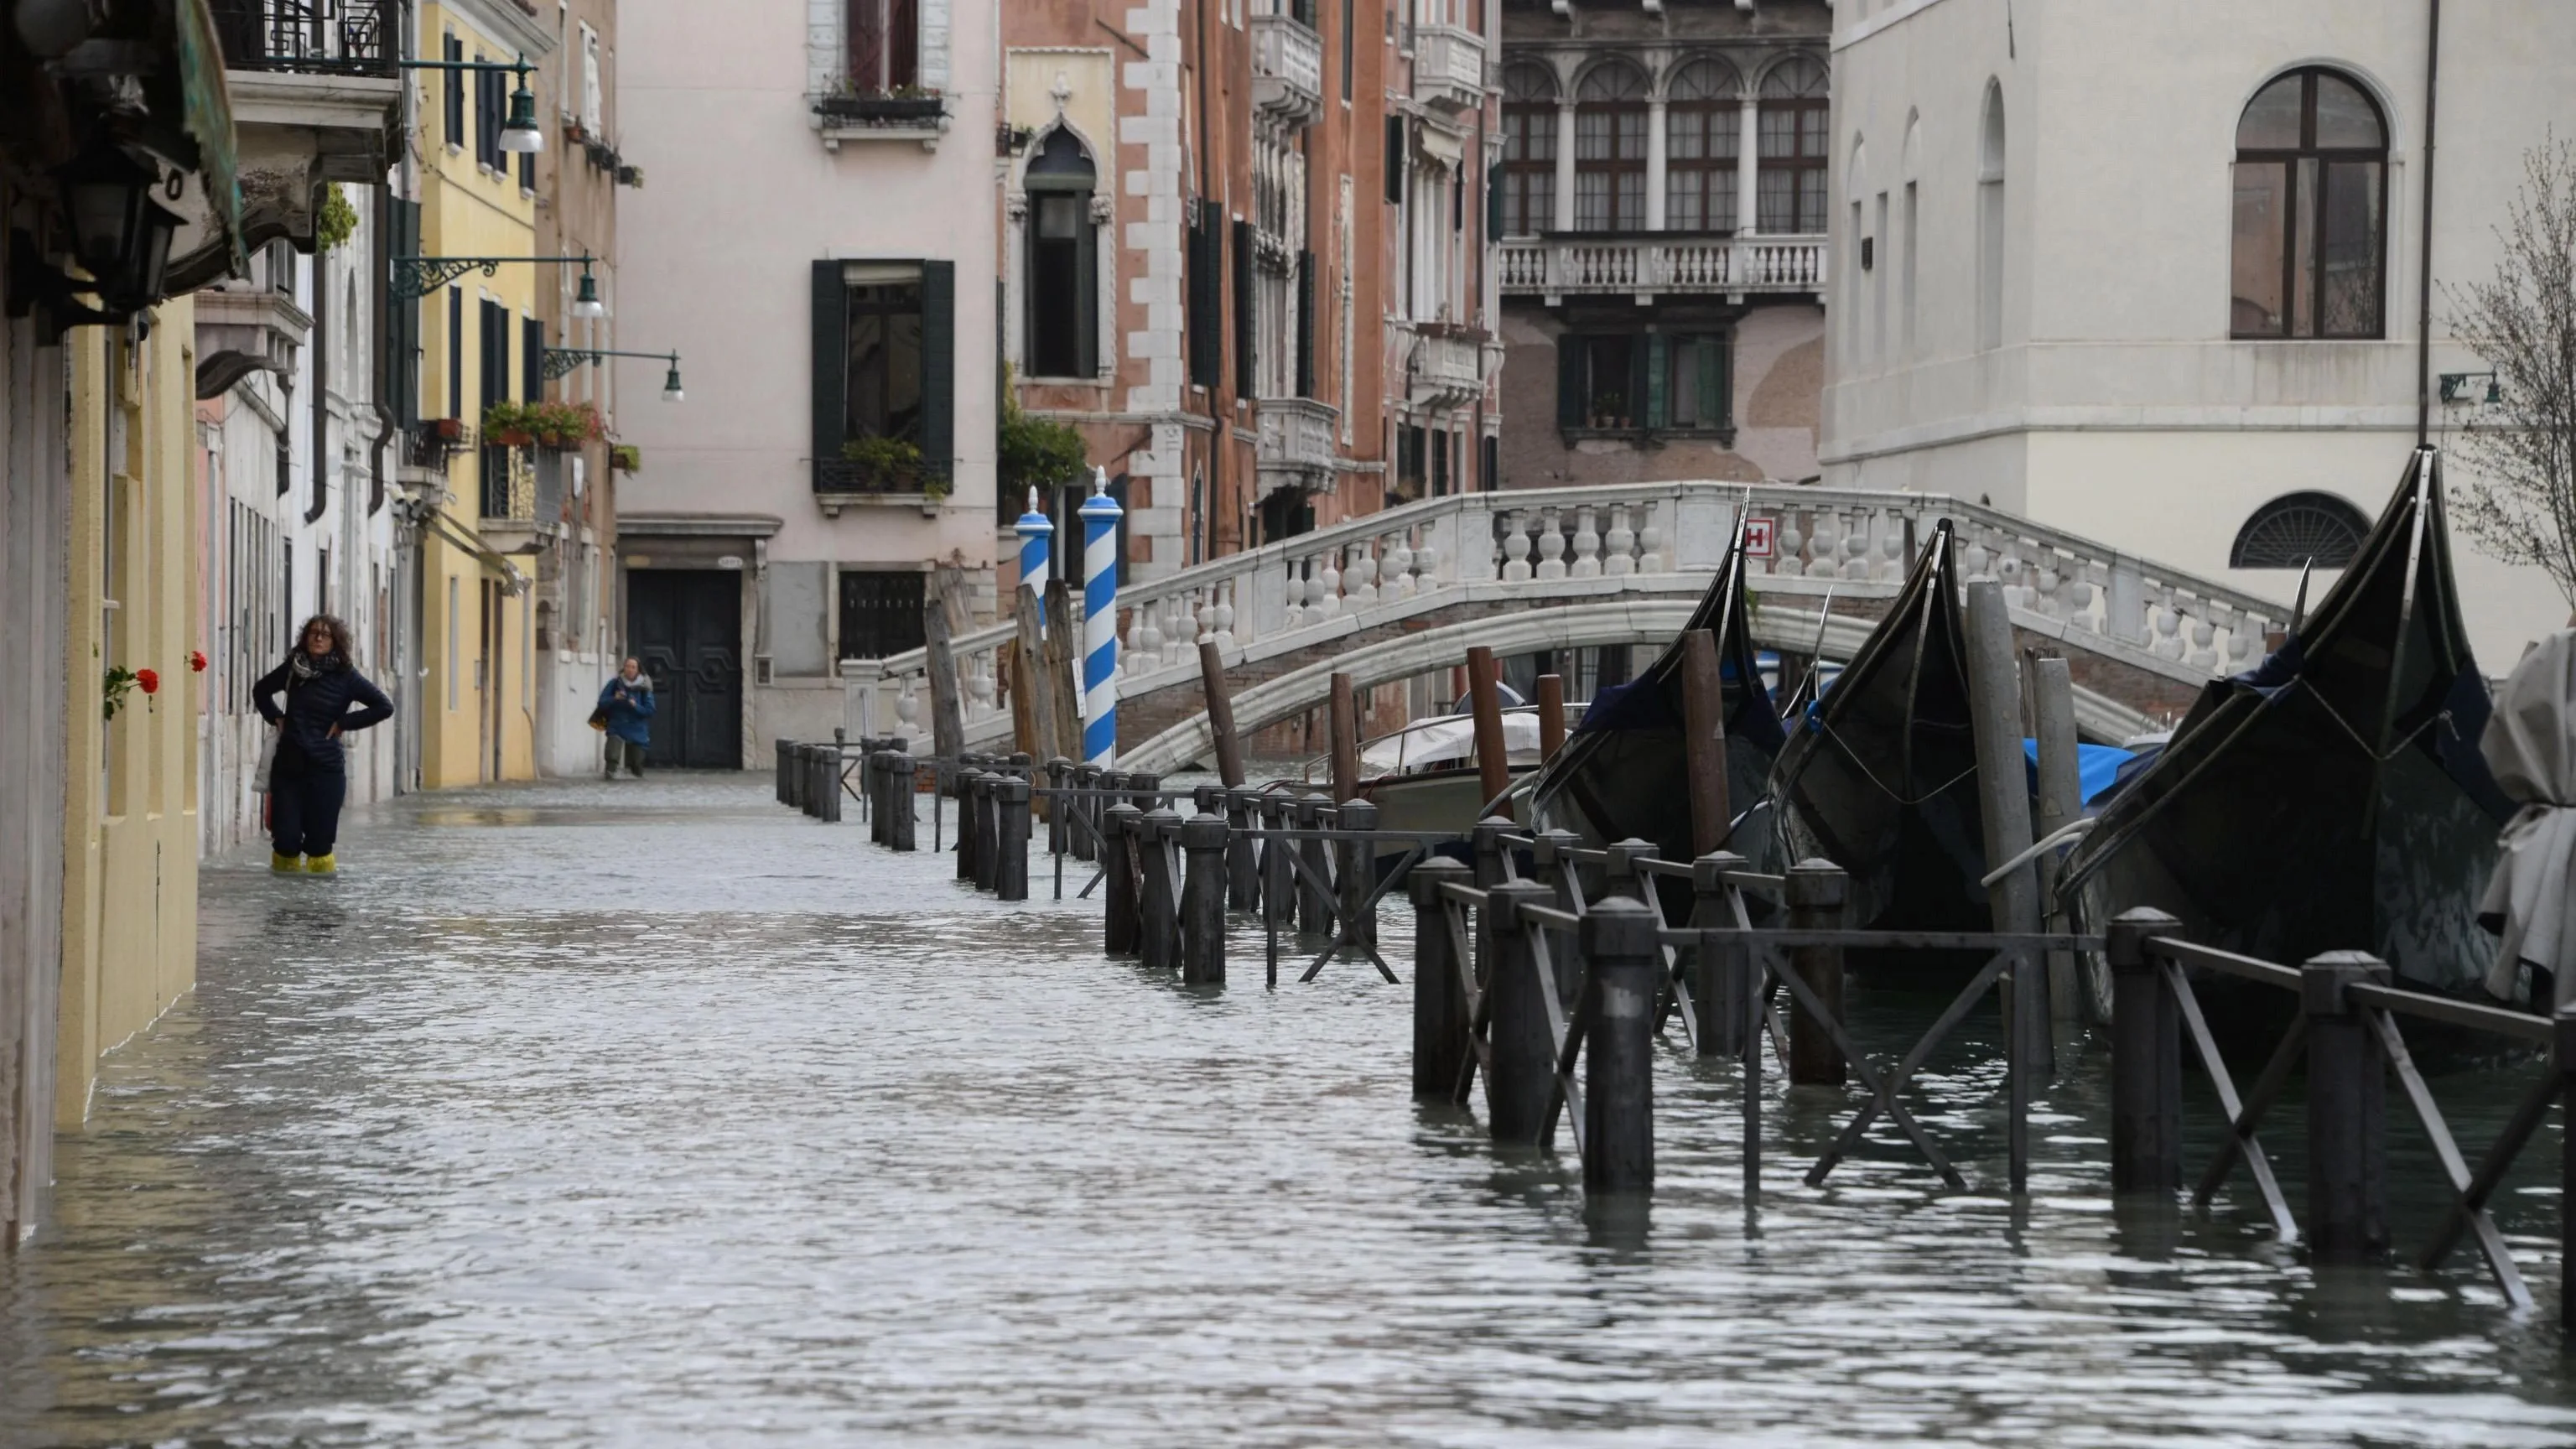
column 658, row 1114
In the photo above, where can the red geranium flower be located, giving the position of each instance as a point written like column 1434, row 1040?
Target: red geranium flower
column 148, row 681
column 197, row 661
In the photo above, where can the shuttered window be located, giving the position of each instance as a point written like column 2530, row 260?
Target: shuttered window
column 1205, row 245
column 532, row 360
column 1246, row 382
column 884, row 366
column 452, row 91
column 1395, row 159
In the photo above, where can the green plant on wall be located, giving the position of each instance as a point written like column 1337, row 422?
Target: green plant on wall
column 1035, row 452
column 890, row 464
column 626, row 458
column 334, row 221
column 546, row 424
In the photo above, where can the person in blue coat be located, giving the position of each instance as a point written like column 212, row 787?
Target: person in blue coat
column 325, row 698
column 627, row 703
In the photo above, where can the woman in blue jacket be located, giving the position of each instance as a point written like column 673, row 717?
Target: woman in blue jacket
column 310, row 775
column 626, row 713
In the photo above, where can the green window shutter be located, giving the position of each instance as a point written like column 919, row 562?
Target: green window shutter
column 1570, row 397
column 831, row 366
column 1493, row 204
column 1712, row 390
column 1246, row 329
column 1658, row 361
column 1395, row 159
column 939, row 367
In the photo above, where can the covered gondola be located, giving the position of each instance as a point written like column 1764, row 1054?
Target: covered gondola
column 1622, row 775
column 2334, row 798
column 1880, row 774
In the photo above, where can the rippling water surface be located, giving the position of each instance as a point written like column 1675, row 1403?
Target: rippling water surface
column 657, row 1114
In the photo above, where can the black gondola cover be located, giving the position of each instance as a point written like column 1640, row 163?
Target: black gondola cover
column 1880, row 775
column 2333, row 799
column 1622, row 775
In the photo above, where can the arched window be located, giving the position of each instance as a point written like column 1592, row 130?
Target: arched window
column 2293, row 531
column 1990, row 221
column 1610, row 149
column 1529, row 150
column 1790, row 196
column 1064, row 284
column 1700, row 144
column 2311, row 210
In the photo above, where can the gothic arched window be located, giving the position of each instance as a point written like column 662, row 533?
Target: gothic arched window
column 1064, row 283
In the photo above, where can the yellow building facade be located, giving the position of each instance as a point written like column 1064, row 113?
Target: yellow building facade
column 478, row 632
column 129, row 925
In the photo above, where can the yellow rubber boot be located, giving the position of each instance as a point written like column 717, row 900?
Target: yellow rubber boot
column 323, row 865
column 285, row 864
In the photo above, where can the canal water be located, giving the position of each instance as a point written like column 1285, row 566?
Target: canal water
column 655, row 1114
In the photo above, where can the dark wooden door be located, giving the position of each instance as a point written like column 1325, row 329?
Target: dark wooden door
column 685, row 628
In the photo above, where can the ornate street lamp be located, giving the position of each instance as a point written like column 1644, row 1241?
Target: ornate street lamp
column 561, row 360
column 120, row 230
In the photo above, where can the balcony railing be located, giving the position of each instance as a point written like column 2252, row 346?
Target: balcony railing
column 1448, row 67
column 1287, row 68
column 509, row 484
column 1295, row 446
column 1562, row 266
column 1448, row 365
column 312, row 37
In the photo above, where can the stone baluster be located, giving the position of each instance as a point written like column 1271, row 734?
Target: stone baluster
column 1891, row 548
column 1856, row 545
column 1145, row 637
column 2168, row 625
column 1397, row 585
column 1359, row 579
column 2046, row 586
column 979, row 684
column 1827, row 541
column 1426, row 561
column 1976, row 560
column 907, row 708
column 1551, row 548
column 1650, row 538
column 2244, row 638
column 1204, row 616
column 1181, row 633
column 1224, row 633
column 1787, row 545
column 1292, row 597
column 1516, row 549
column 2081, row 589
column 1586, row 563
column 2008, row 572
column 1326, row 592
column 1619, row 545
column 2204, row 641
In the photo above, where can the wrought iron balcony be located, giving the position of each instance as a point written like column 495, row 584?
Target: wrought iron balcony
column 310, row 37
column 1448, row 67
column 1295, row 447
column 1562, row 266
column 1287, row 68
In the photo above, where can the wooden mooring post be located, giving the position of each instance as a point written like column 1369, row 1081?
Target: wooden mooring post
column 988, row 828
column 1485, row 702
column 1520, row 1087
column 1314, row 897
column 1220, row 713
column 2061, row 801
column 1704, row 741
column 1815, row 890
column 1551, row 715
column 1358, row 873
column 2003, row 798
column 2347, row 1111
column 1720, row 975
column 2146, row 1059
column 1011, row 812
column 1118, row 931
column 1203, row 841
column 1626, row 969
column 1342, row 725
column 1158, row 905
column 1085, row 844
column 896, row 779
column 1242, row 852
column 1278, row 868
column 1440, row 1039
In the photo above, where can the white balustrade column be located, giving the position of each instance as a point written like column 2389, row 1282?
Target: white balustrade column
column 1748, row 160
column 1655, row 158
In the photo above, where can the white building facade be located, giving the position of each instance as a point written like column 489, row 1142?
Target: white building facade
column 2156, row 273
column 819, row 243
column 296, row 504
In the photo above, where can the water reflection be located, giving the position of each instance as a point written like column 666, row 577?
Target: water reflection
column 656, row 1114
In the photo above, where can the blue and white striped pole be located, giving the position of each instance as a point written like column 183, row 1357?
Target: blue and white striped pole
column 1100, row 515
column 1036, row 532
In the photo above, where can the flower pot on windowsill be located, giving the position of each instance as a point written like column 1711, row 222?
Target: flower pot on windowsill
column 512, row 437
column 880, row 110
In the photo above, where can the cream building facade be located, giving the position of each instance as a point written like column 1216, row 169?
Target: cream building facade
column 2156, row 273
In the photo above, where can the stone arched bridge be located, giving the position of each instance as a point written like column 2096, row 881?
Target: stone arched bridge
column 1405, row 592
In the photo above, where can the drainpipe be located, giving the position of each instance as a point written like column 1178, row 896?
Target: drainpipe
column 1219, row 434
column 2424, row 283
column 380, row 264
column 321, row 390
